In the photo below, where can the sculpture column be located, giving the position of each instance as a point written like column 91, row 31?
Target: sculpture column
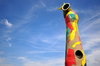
column 74, row 54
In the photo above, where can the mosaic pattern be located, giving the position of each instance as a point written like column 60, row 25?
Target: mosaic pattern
column 75, row 55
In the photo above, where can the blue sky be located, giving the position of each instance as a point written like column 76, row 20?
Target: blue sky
column 32, row 32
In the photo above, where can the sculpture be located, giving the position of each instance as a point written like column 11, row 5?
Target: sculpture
column 74, row 54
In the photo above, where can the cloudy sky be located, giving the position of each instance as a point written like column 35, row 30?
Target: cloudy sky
column 32, row 32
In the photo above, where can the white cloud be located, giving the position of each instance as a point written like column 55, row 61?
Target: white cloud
column 83, row 11
column 93, row 59
column 91, row 40
column 42, row 3
column 22, row 58
column 8, row 39
column 33, row 52
column 97, row 21
column 9, row 44
column 52, row 9
column 8, row 24
column 88, row 11
column 92, row 17
column 53, row 43
column 50, row 40
column 34, row 8
column 62, row 36
column 49, row 62
column 3, row 62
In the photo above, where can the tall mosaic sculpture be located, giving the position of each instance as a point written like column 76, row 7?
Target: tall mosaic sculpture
column 74, row 55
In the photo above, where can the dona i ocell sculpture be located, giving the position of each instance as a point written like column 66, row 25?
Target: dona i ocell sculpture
column 74, row 54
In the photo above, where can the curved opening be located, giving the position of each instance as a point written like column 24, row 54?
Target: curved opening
column 66, row 6
column 79, row 54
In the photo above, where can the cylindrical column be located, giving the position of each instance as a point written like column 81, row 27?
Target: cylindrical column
column 74, row 54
